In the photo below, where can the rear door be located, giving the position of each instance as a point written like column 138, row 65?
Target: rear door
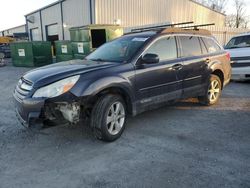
column 195, row 72
column 159, row 82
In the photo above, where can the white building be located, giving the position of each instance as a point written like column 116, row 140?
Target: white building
column 15, row 31
column 53, row 21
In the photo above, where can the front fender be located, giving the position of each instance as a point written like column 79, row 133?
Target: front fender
column 109, row 82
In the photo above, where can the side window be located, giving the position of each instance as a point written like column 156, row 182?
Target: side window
column 190, row 46
column 165, row 48
column 212, row 46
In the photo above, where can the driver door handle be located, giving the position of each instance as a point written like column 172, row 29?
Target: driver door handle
column 207, row 60
column 177, row 66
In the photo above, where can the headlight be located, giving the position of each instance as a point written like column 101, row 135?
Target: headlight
column 57, row 88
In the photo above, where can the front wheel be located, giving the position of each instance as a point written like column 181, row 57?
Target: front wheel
column 213, row 92
column 108, row 117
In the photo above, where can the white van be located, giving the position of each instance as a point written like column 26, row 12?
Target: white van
column 239, row 49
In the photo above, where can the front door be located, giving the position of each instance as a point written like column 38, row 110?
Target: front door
column 159, row 82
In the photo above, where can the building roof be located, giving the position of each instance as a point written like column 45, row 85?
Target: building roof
column 45, row 7
column 13, row 27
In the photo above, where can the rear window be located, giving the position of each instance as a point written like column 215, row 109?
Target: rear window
column 190, row 46
column 212, row 46
column 239, row 42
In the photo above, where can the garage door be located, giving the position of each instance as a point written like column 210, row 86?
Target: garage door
column 35, row 34
column 52, row 30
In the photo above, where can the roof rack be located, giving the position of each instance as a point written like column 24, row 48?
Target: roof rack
column 196, row 27
column 159, row 27
column 170, row 28
column 193, row 29
column 187, row 31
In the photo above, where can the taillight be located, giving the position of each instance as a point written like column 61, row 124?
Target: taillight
column 228, row 56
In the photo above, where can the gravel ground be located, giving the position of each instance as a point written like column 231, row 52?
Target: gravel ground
column 184, row 145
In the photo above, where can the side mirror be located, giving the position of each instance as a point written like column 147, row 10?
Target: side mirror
column 150, row 59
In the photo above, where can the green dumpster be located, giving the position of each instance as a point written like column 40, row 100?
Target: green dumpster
column 90, row 37
column 80, row 49
column 63, row 51
column 31, row 54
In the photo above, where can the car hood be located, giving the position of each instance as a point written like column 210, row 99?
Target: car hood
column 239, row 52
column 51, row 73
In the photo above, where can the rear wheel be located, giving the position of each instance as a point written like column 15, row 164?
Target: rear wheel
column 108, row 117
column 213, row 92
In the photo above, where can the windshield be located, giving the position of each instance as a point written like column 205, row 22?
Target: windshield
column 119, row 50
column 239, row 42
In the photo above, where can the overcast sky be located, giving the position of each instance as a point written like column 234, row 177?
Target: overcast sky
column 12, row 11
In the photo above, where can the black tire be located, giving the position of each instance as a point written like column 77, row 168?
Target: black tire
column 206, row 99
column 99, row 115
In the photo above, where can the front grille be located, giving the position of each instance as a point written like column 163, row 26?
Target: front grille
column 240, row 58
column 236, row 64
column 23, row 89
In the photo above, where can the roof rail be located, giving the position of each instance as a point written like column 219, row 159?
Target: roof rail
column 196, row 27
column 186, row 31
column 159, row 27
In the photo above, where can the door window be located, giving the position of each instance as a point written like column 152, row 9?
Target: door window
column 165, row 48
column 190, row 46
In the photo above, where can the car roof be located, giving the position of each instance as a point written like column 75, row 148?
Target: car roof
column 242, row 34
column 171, row 31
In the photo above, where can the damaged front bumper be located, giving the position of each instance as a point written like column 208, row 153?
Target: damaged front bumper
column 41, row 113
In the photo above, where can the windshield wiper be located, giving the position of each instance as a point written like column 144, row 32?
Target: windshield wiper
column 98, row 59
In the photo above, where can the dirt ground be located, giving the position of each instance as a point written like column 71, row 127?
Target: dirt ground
column 183, row 145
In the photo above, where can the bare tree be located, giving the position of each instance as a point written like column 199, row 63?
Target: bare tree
column 230, row 20
column 218, row 5
column 240, row 12
column 238, row 19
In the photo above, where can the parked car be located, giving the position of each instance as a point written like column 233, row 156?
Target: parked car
column 134, row 73
column 239, row 49
column 5, row 49
column 2, row 59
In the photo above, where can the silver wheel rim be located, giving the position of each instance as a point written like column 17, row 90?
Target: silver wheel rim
column 115, row 118
column 214, row 91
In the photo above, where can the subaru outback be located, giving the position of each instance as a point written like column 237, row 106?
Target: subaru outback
column 127, row 76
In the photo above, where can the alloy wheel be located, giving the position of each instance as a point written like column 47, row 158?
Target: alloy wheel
column 115, row 118
column 214, row 91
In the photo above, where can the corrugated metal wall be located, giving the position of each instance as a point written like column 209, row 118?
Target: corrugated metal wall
column 131, row 13
column 35, row 18
column 144, row 12
column 51, row 16
column 75, row 13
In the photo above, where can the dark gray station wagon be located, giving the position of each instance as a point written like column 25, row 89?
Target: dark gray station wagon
column 134, row 73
